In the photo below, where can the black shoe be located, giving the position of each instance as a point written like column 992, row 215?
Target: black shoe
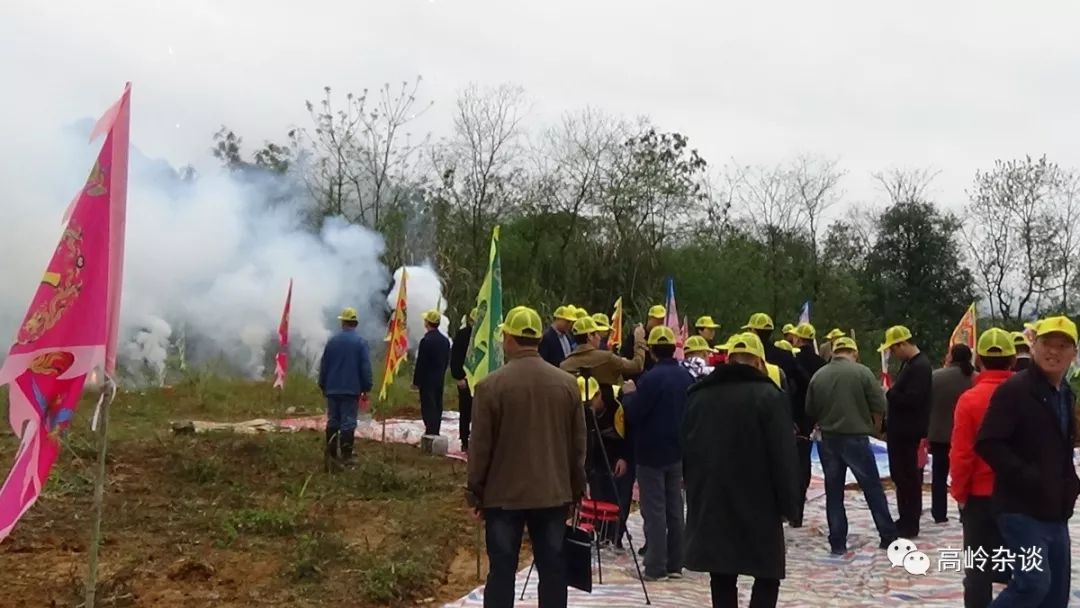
column 346, row 442
column 835, row 552
column 642, row 550
column 465, row 445
column 885, row 542
column 797, row 523
column 941, row 521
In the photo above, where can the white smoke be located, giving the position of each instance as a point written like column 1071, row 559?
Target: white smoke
column 212, row 255
column 423, row 292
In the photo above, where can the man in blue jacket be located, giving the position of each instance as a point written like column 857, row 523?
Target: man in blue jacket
column 655, row 407
column 432, row 359
column 344, row 378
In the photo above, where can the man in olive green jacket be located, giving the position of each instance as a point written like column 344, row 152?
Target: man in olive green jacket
column 847, row 401
column 526, row 461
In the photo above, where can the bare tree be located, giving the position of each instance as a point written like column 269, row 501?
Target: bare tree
column 816, row 188
column 1067, row 208
column 906, row 185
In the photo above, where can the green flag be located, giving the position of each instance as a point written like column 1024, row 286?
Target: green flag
column 485, row 353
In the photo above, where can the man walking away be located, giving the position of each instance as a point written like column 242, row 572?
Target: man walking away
column 655, row 410
column 946, row 386
column 846, row 400
column 557, row 343
column 1023, row 351
column 810, row 362
column 526, row 462
column 344, row 378
column 972, row 479
column 739, row 462
column 908, row 418
column 458, row 352
column 432, row 359
column 1027, row 438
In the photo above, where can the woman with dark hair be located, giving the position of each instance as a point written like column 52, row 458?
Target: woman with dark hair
column 948, row 384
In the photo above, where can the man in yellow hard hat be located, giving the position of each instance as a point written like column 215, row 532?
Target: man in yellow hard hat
column 429, row 375
column 810, row 362
column 526, row 462
column 738, row 493
column 655, row 406
column 458, row 351
column 788, row 331
column 826, row 346
column 1027, row 438
column 846, row 400
column 706, row 328
column 608, row 369
column 697, row 353
column 793, row 378
column 557, row 342
column 604, row 323
column 344, row 379
column 907, row 421
column 1023, row 351
column 656, row 317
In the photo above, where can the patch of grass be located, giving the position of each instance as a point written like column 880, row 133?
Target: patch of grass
column 314, row 552
column 200, row 472
column 396, row 577
column 262, row 522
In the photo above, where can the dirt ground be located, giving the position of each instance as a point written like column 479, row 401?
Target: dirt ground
column 230, row 520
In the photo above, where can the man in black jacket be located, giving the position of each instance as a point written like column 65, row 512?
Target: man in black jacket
column 1027, row 438
column 458, row 352
column 557, row 343
column 657, row 314
column 432, row 359
column 810, row 362
column 908, row 418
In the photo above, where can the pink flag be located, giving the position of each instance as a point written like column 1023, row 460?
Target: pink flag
column 281, row 366
column 672, row 319
column 71, row 326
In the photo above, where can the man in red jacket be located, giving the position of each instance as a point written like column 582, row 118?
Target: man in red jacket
column 972, row 478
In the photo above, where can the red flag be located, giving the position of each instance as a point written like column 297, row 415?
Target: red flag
column 281, row 365
column 965, row 331
column 886, row 380
column 71, row 326
column 672, row 319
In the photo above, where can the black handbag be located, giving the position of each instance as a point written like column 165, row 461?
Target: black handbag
column 577, row 556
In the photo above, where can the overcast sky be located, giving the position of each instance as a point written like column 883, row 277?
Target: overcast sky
column 948, row 84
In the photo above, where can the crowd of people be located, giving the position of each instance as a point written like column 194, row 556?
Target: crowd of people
column 719, row 440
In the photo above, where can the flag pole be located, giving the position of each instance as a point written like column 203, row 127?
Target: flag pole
column 99, row 493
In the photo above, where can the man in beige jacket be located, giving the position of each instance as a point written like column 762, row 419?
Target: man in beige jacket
column 526, row 461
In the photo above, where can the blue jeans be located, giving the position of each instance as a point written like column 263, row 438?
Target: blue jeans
column 504, row 528
column 662, row 510
column 1030, row 587
column 838, row 454
column 341, row 412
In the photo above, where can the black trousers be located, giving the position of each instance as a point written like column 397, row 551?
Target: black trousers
column 939, row 474
column 465, row 411
column 803, row 448
column 725, row 591
column 907, row 476
column 431, row 407
column 981, row 530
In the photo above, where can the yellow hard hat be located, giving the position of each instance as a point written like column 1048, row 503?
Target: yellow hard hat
column 603, row 323
column 580, row 313
column 706, row 322
column 893, row 336
column 787, row 329
column 1056, row 325
column 566, row 313
column 784, row 345
column 585, row 325
column 805, row 331
column 658, row 312
column 759, row 320
column 996, row 342
column 593, row 386
column 844, row 343
column 433, row 316
column 661, row 335
column 522, row 322
column 1020, row 339
column 348, row 314
column 834, row 334
column 748, row 343
column 696, row 344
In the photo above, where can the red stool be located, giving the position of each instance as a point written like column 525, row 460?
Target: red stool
column 600, row 516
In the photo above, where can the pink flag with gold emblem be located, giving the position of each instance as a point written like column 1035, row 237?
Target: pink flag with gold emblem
column 71, row 326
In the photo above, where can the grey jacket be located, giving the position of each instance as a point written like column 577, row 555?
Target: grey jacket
column 947, row 384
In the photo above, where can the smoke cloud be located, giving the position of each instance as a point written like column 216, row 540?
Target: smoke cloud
column 208, row 260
